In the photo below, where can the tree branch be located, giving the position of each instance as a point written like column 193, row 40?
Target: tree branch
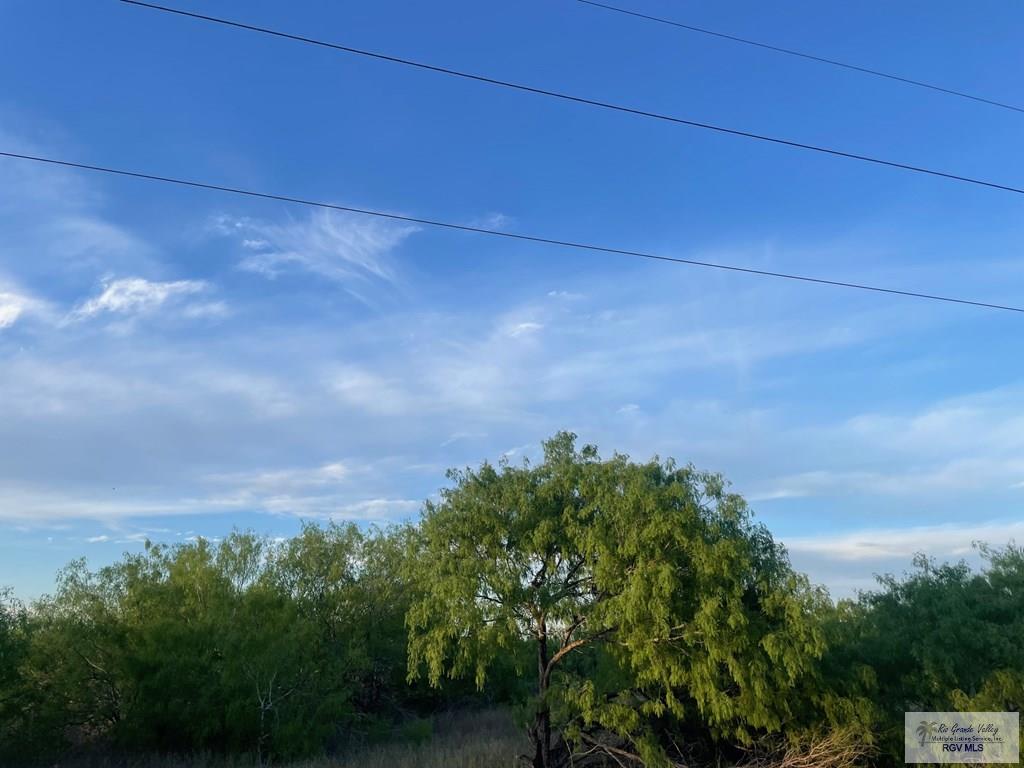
column 569, row 647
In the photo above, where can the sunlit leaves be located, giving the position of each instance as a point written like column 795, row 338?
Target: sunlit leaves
column 659, row 566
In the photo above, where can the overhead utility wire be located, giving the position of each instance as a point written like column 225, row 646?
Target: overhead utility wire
column 501, row 233
column 581, row 99
column 802, row 55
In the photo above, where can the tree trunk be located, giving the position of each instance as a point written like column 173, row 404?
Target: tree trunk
column 541, row 731
column 259, row 740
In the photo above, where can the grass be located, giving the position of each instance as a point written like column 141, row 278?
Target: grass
column 480, row 740
column 487, row 739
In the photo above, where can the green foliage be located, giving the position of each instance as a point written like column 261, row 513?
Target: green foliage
column 626, row 610
column 15, row 691
column 245, row 646
column 941, row 638
column 651, row 572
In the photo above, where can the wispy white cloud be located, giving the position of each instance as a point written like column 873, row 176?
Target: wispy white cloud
column 458, row 436
column 39, row 506
column 33, row 388
column 366, row 390
column 88, row 242
column 531, row 355
column 107, row 388
column 16, row 306
column 17, row 303
column 851, row 561
column 564, row 295
column 517, row 450
column 136, row 295
column 902, row 543
column 342, row 247
column 206, row 310
column 328, row 490
column 962, row 474
column 379, row 509
column 526, row 328
column 11, row 307
column 321, row 506
column 970, row 443
column 277, row 480
column 492, row 220
column 287, row 493
column 265, row 394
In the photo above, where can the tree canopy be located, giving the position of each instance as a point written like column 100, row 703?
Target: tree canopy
column 652, row 570
column 942, row 638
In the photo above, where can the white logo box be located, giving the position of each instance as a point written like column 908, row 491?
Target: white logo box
column 961, row 737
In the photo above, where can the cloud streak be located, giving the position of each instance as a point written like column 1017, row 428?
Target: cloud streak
column 966, row 444
column 851, row 561
column 136, row 295
column 16, row 306
column 345, row 248
column 941, row 541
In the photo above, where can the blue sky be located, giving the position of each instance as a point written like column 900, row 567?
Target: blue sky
column 176, row 363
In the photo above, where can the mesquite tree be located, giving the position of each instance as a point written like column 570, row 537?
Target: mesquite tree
column 651, row 569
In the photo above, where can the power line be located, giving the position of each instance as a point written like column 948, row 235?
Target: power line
column 501, row 233
column 580, row 99
column 802, row 55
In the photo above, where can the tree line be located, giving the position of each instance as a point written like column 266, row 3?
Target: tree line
column 631, row 614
